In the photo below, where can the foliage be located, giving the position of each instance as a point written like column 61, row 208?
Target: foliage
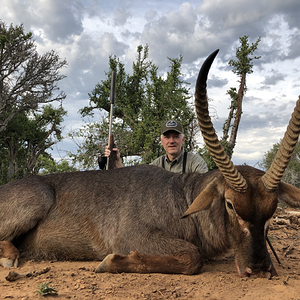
column 242, row 66
column 292, row 172
column 47, row 165
column 46, row 289
column 27, row 79
column 26, row 137
column 143, row 101
column 89, row 140
column 29, row 124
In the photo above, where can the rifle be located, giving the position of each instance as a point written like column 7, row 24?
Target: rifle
column 112, row 157
column 108, row 162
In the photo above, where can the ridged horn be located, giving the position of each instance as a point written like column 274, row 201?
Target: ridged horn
column 233, row 178
column 274, row 174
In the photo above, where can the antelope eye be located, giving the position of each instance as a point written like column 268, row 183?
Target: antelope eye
column 229, row 205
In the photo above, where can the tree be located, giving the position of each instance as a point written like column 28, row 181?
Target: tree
column 27, row 79
column 143, row 101
column 27, row 136
column 89, row 140
column 292, row 172
column 241, row 67
column 47, row 165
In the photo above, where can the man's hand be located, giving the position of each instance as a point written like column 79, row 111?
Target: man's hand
column 118, row 162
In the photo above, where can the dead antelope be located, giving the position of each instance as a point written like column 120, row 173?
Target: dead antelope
column 131, row 218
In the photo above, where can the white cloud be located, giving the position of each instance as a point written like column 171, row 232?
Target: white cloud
column 86, row 32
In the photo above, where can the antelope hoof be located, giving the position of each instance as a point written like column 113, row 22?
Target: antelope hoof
column 103, row 266
column 9, row 255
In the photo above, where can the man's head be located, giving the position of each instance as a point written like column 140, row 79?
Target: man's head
column 172, row 138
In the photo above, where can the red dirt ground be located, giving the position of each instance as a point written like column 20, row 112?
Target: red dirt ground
column 218, row 280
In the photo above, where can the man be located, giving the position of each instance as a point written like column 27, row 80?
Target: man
column 176, row 159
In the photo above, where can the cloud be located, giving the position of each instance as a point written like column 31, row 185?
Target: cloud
column 121, row 16
column 87, row 32
column 56, row 20
column 151, row 15
column 273, row 79
column 88, row 60
column 294, row 45
column 178, row 32
column 217, row 81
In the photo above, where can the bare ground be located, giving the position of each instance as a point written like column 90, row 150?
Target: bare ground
column 218, row 280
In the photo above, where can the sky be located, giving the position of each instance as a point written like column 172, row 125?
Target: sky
column 86, row 32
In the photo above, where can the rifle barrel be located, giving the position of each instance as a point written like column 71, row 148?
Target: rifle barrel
column 112, row 101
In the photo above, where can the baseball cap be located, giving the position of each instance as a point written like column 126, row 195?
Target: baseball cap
column 171, row 125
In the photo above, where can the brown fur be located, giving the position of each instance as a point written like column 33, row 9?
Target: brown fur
column 89, row 215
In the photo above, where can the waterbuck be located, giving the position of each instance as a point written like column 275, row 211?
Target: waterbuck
column 145, row 219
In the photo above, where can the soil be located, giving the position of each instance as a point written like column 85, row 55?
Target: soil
column 218, row 279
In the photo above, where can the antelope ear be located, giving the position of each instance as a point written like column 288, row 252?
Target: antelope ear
column 288, row 194
column 205, row 198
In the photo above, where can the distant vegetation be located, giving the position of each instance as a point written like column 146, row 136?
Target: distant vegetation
column 292, row 172
column 30, row 123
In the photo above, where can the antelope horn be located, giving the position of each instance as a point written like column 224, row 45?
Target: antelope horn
column 233, row 178
column 274, row 174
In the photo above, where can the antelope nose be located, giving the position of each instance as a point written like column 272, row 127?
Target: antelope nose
column 248, row 271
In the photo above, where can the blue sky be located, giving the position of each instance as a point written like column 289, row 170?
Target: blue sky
column 87, row 32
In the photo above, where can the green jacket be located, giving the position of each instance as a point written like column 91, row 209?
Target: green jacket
column 194, row 163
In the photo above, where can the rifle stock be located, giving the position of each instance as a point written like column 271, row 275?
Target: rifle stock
column 113, row 155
